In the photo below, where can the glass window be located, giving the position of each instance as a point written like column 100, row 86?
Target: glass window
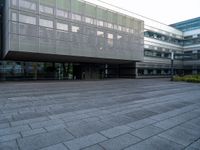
column 76, row 17
column 119, row 37
column 110, row 25
column 100, row 23
column 27, row 4
column 14, row 27
column 100, row 33
column 75, row 29
column 46, row 23
column 115, row 27
column 120, row 28
column 110, row 36
column 88, row 20
column 27, row 19
column 61, row 13
column 14, row 17
column 110, row 42
column 127, row 30
column 110, row 39
column 62, row 26
column 46, row 9
column 131, row 31
column 166, row 55
column 124, row 29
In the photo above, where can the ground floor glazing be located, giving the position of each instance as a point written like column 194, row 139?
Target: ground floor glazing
column 21, row 70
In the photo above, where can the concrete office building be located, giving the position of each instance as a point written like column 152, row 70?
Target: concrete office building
column 73, row 39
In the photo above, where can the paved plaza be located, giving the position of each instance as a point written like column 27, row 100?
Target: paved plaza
column 142, row 114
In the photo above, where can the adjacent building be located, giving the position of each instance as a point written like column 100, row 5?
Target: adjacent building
column 75, row 39
column 191, row 44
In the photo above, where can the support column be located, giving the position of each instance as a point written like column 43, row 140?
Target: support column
column 35, row 70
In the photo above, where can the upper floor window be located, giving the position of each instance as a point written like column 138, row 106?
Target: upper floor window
column 100, row 33
column 88, row 20
column 14, row 17
column 27, row 19
column 61, row 13
column 76, row 17
column 100, row 23
column 132, row 31
column 110, row 25
column 46, row 23
column 75, row 29
column 62, row 26
column 110, row 36
column 119, row 37
column 115, row 27
column 27, row 4
column 120, row 28
column 46, row 9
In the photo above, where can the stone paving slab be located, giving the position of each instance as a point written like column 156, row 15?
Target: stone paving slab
column 56, row 147
column 116, row 131
column 196, row 145
column 120, row 142
column 100, row 115
column 86, row 141
column 146, row 132
column 11, row 145
column 156, row 143
column 183, row 136
column 33, row 132
column 94, row 147
column 44, row 139
column 141, row 123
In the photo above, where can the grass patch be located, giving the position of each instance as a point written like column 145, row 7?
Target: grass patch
column 188, row 78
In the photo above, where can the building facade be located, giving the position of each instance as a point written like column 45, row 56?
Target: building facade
column 67, row 39
column 191, row 44
column 73, row 39
column 182, row 38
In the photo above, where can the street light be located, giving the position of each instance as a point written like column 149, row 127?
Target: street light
column 172, row 66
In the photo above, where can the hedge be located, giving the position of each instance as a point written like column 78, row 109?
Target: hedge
column 188, row 78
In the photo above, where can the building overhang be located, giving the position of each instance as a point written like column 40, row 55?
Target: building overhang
column 40, row 57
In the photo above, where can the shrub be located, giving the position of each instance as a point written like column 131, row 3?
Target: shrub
column 188, row 78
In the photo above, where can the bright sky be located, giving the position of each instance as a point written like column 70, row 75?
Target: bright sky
column 164, row 11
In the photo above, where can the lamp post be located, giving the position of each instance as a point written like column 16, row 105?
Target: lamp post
column 172, row 66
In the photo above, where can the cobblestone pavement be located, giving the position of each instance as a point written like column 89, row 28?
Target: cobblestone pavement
column 149, row 114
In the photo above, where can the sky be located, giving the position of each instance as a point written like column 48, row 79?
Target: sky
column 164, row 11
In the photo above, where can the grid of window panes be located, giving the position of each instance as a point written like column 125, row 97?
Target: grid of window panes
column 188, row 25
column 154, row 71
column 51, row 26
column 162, row 54
column 158, row 71
column 21, row 70
column 192, row 40
column 190, row 55
column 162, row 37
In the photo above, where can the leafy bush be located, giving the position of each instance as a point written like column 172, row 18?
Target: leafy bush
column 188, row 78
